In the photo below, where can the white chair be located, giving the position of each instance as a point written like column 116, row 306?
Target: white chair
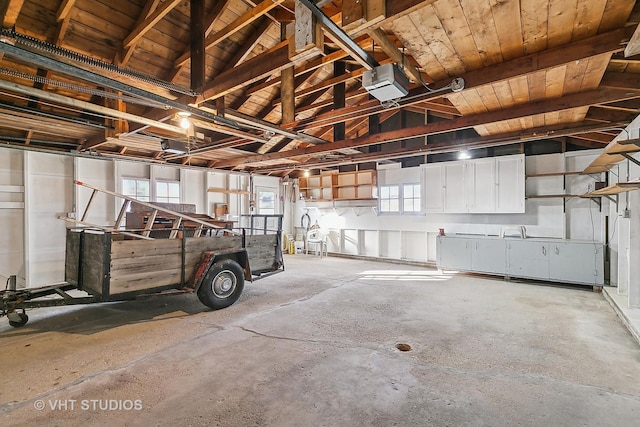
column 316, row 241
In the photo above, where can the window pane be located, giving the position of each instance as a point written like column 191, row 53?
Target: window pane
column 129, row 187
column 384, row 192
column 174, row 189
column 161, row 190
column 394, row 191
column 394, row 205
column 384, row 205
column 143, row 189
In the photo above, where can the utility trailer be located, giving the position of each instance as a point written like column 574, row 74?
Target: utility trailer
column 114, row 264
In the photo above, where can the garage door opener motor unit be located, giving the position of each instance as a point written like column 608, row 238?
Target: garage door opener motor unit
column 386, row 82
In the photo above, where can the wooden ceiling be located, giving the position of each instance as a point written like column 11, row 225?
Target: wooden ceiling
column 108, row 78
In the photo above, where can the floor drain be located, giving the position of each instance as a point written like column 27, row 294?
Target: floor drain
column 403, row 347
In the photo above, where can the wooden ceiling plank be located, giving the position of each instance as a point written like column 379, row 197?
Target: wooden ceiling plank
column 536, row 108
column 250, row 16
column 124, row 55
column 390, row 48
column 562, row 15
column 616, row 14
column 149, row 22
column 596, row 68
column 10, row 12
column 451, row 14
column 438, row 42
column 241, row 54
column 485, row 37
column 64, row 11
column 508, row 21
column 534, row 17
column 410, row 34
column 589, row 12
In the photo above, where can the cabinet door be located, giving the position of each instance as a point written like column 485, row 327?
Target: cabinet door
column 510, row 184
column 577, row 263
column 434, row 188
column 455, row 200
column 489, row 256
column 528, row 259
column 482, row 185
column 454, row 253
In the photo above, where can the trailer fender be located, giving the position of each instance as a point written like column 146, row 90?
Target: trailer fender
column 208, row 259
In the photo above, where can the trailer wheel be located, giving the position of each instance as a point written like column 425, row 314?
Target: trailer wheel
column 222, row 285
column 18, row 323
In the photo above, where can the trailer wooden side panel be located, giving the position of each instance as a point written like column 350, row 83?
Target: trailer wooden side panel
column 138, row 265
column 263, row 252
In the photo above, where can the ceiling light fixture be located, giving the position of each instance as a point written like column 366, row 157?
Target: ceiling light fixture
column 185, row 123
column 464, row 155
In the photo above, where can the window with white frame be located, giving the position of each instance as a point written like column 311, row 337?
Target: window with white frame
column 167, row 192
column 136, row 188
column 389, row 198
column 411, row 198
column 266, row 202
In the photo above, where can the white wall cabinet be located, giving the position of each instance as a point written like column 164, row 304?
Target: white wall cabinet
column 434, row 188
column 489, row 185
column 565, row 261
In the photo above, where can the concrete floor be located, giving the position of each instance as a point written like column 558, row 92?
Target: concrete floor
column 316, row 346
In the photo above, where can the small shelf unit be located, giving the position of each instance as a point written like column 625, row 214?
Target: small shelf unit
column 355, row 185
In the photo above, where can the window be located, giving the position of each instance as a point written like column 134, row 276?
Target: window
column 136, row 188
column 167, row 192
column 411, row 198
column 266, row 202
column 389, row 198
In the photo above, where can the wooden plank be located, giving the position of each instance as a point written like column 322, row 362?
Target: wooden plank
column 146, row 25
column 589, row 13
column 250, row 16
column 392, row 51
column 534, row 17
column 562, row 15
column 483, row 30
column 143, row 281
column 616, row 14
column 438, row 41
column 145, row 264
column 555, row 78
column 287, row 93
column 141, row 248
column 454, row 24
column 508, row 22
column 353, row 11
column 411, row 37
column 10, row 12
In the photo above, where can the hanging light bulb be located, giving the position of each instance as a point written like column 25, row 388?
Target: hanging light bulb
column 185, row 123
column 464, row 155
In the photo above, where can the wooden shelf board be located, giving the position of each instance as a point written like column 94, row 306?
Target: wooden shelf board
column 536, row 175
column 621, row 187
column 553, row 196
column 612, row 156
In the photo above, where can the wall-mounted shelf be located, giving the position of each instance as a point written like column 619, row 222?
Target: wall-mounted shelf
column 614, row 152
column 356, row 185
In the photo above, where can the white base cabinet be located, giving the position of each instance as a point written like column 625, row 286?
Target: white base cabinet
column 564, row 261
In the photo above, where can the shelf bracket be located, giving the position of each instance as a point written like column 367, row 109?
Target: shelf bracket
column 631, row 159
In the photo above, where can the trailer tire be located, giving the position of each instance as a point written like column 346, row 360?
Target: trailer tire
column 222, row 285
column 23, row 320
